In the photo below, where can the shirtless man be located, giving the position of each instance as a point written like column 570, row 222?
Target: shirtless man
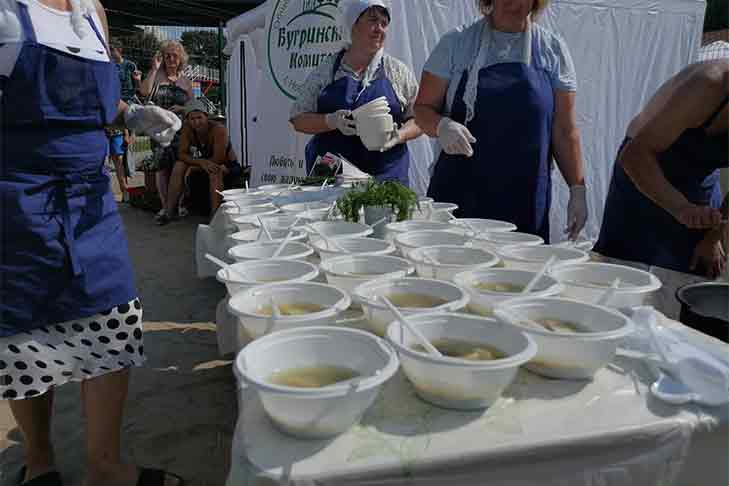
column 664, row 204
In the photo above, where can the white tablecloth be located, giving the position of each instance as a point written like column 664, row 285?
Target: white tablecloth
column 609, row 431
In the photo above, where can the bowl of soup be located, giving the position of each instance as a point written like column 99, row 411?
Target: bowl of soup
column 443, row 262
column 316, row 382
column 574, row 339
column 400, row 227
column 588, row 281
column 295, row 208
column 480, row 358
column 406, row 242
column 435, row 211
column 281, row 221
column 349, row 271
column 337, row 229
column 335, row 247
column 409, row 295
column 244, row 275
column 275, row 190
column 489, row 286
column 246, row 218
column 230, row 194
column 267, row 308
column 533, row 258
column 260, row 250
column 277, row 235
column 480, row 225
column 496, row 240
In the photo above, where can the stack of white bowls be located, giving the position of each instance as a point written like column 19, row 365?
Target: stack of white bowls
column 374, row 123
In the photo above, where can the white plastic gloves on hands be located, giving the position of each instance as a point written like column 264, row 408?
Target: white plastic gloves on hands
column 160, row 124
column 576, row 211
column 455, row 138
column 394, row 140
column 343, row 121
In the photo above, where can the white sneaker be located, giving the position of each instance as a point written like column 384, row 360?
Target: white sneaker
column 159, row 214
column 182, row 211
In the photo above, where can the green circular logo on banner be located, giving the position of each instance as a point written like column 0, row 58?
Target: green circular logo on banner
column 301, row 35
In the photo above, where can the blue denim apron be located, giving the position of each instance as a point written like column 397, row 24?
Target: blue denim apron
column 346, row 94
column 508, row 177
column 64, row 254
column 635, row 228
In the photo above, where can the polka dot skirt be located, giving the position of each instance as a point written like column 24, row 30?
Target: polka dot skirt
column 34, row 361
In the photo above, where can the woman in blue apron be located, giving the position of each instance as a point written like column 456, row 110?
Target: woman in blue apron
column 663, row 204
column 355, row 76
column 499, row 95
column 68, row 307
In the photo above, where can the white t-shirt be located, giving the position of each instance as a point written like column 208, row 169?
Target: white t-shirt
column 52, row 28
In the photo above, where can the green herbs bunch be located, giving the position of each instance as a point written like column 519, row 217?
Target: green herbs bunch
column 398, row 197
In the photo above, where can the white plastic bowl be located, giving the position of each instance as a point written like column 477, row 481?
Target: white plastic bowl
column 231, row 194
column 587, row 282
column 283, row 221
column 482, row 225
column 252, row 235
column 245, row 305
column 315, row 215
column 276, row 189
column 406, row 242
column 337, row 229
column 495, row 240
column 456, row 383
column 347, row 272
column 244, row 219
column 450, row 260
column 569, row 355
column 483, row 301
column 345, row 246
column 317, row 413
column 294, row 250
column 437, row 211
column 533, row 258
column 295, row 208
column 379, row 316
column 249, row 202
column 394, row 229
column 261, row 272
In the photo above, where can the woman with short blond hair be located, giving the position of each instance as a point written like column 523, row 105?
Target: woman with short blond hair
column 499, row 95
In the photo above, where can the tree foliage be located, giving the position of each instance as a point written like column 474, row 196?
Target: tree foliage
column 141, row 48
column 202, row 47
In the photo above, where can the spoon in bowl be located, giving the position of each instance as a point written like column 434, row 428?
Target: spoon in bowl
column 225, row 265
column 265, row 229
column 413, row 330
column 533, row 282
column 609, row 293
column 283, row 244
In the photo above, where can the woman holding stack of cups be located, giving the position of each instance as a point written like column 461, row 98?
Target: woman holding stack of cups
column 360, row 73
column 500, row 96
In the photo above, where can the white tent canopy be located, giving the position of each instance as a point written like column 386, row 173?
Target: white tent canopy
column 623, row 50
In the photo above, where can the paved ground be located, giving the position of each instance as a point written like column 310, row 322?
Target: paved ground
column 181, row 409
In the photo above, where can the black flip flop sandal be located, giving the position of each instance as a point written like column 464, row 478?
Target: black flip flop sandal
column 155, row 477
column 51, row 478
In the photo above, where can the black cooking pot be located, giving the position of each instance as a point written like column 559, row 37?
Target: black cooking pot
column 705, row 307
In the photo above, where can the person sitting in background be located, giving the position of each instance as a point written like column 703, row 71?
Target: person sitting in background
column 204, row 148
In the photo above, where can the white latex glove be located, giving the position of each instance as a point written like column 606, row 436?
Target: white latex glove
column 576, row 211
column 393, row 141
column 160, row 124
column 341, row 120
column 455, row 138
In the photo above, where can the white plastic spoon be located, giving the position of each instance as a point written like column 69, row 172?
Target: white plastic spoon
column 246, row 185
column 283, row 244
column 330, row 242
column 512, row 318
column 609, row 293
column 220, row 192
column 265, row 230
column 533, row 282
column 413, row 330
column 224, row 265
